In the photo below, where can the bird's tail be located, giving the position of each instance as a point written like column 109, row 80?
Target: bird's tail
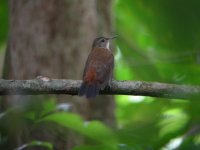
column 89, row 90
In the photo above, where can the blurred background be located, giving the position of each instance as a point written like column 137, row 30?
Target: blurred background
column 158, row 41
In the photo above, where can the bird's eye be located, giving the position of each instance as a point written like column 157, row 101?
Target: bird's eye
column 103, row 40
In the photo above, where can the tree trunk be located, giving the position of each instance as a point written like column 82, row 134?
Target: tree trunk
column 53, row 38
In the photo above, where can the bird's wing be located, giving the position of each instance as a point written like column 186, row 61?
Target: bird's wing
column 99, row 67
column 105, row 70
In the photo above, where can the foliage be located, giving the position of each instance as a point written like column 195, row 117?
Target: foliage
column 4, row 21
column 94, row 129
column 161, row 38
column 33, row 115
column 159, row 41
column 36, row 143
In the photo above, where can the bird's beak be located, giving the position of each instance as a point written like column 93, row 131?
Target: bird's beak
column 113, row 37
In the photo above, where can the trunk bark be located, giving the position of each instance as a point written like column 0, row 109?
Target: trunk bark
column 53, row 38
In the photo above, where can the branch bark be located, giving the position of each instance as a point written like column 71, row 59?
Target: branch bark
column 70, row 87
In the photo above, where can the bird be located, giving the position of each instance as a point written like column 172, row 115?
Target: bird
column 98, row 71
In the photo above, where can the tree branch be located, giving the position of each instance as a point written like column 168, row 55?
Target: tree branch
column 61, row 86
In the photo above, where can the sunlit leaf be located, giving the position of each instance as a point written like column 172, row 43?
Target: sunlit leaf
column 94, row 129
column 172, row 121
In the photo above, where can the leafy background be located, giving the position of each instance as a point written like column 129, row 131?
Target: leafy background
column 158, row 41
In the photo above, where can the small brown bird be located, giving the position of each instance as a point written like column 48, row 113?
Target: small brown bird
column 98, row 70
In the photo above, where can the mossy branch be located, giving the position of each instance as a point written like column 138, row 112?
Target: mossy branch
column 71, row 87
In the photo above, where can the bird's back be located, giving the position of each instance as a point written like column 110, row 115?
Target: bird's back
column 97, row 72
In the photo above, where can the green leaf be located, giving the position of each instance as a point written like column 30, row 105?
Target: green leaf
column 4, row 21
column 94, row 129
column 173, row 120
column 94, row 147
column 47, row 145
